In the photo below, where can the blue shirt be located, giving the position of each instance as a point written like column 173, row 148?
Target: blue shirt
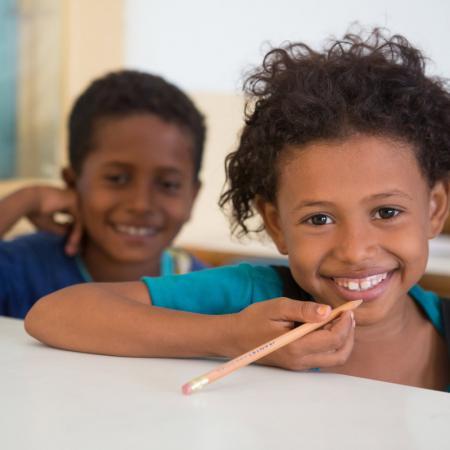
column 34, row 265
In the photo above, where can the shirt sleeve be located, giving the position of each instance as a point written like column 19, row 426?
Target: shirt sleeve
column 4, row 303
column 221, row 290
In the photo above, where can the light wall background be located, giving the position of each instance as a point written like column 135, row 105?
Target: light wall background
column 205, row 47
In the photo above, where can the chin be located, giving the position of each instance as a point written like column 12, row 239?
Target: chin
column 368, row 314
column 133, row 258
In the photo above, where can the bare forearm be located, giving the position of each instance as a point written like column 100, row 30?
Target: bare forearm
column 14, row 207
column 89, row 319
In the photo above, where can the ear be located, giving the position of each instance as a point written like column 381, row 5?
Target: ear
column 69, row 176
column 269, row 213
column 439, row 198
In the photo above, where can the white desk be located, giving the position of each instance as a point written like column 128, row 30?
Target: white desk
column 58, row 400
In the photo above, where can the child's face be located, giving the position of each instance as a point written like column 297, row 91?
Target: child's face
column 355, row 217
column 136, row 187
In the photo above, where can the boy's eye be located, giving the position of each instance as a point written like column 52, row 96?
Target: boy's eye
column 120, row 178
column 386, row 213
column 170, row 185
column 319, row 219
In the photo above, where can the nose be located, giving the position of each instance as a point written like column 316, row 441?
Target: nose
column 356, row 243
column 141, row 198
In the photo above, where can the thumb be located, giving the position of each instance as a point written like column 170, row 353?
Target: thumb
column 299, row 311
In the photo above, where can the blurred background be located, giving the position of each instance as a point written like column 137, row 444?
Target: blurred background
column 51, row 49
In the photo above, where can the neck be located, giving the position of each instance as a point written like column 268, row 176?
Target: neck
column 103, row 268
column 404, row 348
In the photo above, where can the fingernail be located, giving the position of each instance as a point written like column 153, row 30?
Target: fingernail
column 323, row 310
column 353, row 319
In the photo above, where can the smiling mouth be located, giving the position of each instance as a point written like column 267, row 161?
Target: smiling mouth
column 134, row 231
column 361, row 284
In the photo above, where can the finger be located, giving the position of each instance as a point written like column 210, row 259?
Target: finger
column 331, row 324
column 74, row 239
column 298, row 311
column 56, row 228
column 326, row 341
column 333, row 358
column 46, row 224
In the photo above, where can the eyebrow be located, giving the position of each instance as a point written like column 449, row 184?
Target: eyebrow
column 380, row 196
column 127, row 165
column 117, row 163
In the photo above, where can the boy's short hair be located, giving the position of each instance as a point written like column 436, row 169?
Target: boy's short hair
column 375, row 86
column 128, row 92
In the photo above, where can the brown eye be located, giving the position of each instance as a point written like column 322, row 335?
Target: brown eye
column 118, row 179
column 170, row 186
column 319, row 219
column 387, row 213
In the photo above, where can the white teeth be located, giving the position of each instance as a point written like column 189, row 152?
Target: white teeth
column 360, row 284
column 135, row 231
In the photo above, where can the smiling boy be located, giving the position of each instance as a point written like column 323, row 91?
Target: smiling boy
column 135, row 151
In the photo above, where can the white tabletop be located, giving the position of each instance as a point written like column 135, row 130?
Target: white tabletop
column 52, row 399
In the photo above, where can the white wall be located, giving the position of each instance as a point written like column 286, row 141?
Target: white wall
column 205, row 44
column 205, row 47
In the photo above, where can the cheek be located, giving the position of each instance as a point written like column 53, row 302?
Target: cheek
column 178, row 212
column 305, row 258
column 94, row 204
column 411, row 247
column 409, row 238
column 179, row 208
column 307, row 248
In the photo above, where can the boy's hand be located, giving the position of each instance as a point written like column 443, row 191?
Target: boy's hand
column 261, row 322
column 46, row 203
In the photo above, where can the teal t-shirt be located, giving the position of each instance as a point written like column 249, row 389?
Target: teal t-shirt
column 221, row 290
column 230, row 289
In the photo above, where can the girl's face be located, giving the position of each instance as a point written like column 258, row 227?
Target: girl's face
column 354, row 218
column 136, row 189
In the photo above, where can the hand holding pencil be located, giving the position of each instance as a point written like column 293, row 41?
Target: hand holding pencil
column 264, row 349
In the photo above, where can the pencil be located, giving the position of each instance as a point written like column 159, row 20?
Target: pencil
column 198, row 383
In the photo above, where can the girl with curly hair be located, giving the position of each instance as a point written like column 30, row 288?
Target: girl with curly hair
column 344, row 157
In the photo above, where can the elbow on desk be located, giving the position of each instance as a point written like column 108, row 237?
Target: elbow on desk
column 45, row 319
column 39, row 318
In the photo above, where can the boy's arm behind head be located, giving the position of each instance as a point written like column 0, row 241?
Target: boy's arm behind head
column 21, row 203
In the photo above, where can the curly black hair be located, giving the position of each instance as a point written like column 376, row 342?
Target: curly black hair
column 124, row 93
column 375, row 85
